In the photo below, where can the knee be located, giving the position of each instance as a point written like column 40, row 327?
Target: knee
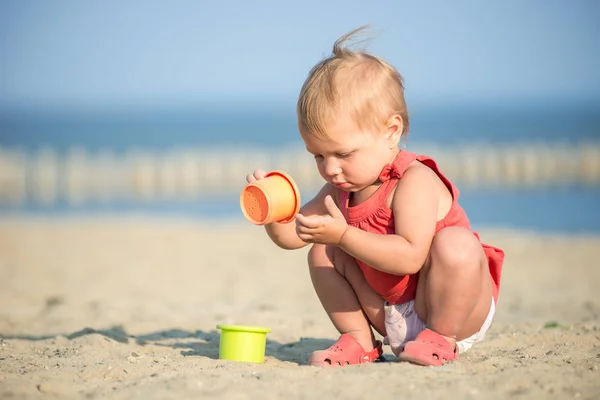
column 324, row 256
column 320, row 255
column 455, row 248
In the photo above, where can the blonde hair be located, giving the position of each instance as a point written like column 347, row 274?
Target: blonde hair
column 356, row 82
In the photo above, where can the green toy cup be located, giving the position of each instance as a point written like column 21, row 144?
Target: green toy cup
column 243, row 343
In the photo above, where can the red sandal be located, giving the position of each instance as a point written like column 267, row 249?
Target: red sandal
column 346, row 351
column 430, row 349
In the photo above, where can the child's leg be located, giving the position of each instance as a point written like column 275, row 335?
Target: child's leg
column 454, row 293
column 352, row 305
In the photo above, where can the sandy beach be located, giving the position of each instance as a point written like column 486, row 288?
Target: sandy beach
column 127, row 308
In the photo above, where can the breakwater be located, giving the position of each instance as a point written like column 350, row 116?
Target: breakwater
column 79, row 176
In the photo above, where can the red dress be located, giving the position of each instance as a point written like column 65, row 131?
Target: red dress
column 373, row 215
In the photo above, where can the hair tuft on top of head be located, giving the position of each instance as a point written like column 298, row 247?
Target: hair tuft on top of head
column 351, row 83
column 343, row 46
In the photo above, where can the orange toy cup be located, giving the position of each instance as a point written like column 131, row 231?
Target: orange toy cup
column 275, row 198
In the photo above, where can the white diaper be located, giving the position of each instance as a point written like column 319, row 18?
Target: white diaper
column 402, row 325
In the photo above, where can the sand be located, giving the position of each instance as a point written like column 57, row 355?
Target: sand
column 127, row 308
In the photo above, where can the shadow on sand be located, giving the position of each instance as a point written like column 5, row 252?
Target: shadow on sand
column 198, row 343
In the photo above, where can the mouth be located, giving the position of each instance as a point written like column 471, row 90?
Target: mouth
column 341, row 185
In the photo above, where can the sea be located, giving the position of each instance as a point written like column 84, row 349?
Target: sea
column 572, row 208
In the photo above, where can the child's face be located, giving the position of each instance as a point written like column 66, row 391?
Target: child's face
column 349, row 158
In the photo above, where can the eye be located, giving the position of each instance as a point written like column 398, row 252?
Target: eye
column 318, row 157
column 344, row 155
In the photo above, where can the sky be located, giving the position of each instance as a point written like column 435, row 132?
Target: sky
column 112, row 53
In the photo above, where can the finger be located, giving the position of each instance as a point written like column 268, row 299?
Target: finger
column 300, row 229
column 332, row 208
column 300, row 219
column 259, row 174
column 306, row 238
column 308, row 222
column 250, row 178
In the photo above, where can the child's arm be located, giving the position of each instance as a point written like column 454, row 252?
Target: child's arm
column 415, row 207
column 284, row 235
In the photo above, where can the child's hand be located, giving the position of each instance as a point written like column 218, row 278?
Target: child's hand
column 256, row 175
column 324, row 229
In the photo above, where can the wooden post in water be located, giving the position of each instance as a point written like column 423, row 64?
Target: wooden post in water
column 211, row 172
column 590, row 163
column 107, row 180
column 190, row 174
column 76, row 182
column 167, row 176
column 235, row 169
column 469, row 167
column 141, row 175
column 44, row 173
column 12, row 176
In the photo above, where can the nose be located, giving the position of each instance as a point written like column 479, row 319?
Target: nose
column 332, row 167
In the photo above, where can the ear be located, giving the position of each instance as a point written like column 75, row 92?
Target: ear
column 395, row 127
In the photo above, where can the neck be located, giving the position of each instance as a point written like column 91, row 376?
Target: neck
column 394, row 154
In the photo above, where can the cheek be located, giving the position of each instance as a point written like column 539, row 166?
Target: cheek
column 320, row 167
column 366, row 169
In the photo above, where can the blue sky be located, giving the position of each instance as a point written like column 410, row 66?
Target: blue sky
column 157, row 52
